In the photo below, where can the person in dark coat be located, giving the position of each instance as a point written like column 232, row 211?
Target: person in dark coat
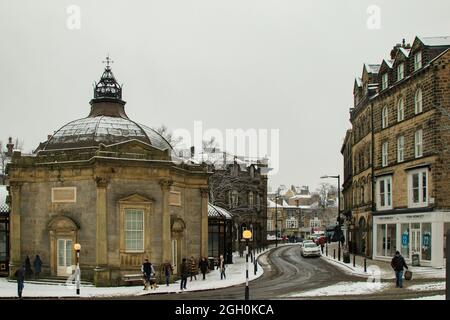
column 184, row 274
column 397, row 263
column 203, row 265
column 168, row 270
column 28, row 270
column 193, row 268
column 20, row 275
column 148, row 271
column 221, row 267
column 37, row 264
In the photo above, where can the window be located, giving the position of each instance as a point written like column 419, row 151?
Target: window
column 362, row 194
column 270, row 225
column 400, row 71
column 384, row 117
column 400, row 110
column 250, row 199
column 418, row 101
column 291, row 224
column 405, row 240
column 400, row 149
column 386, row 240
column 315, row 223
column 384, row 193
column 258, row 202
column 384, row 154
column 384, row 81
column 234, row 198
column 134, row 230
column 418, row 147
column 418, row 188
column 426, row 241
column 418, row 61
column 174, row 254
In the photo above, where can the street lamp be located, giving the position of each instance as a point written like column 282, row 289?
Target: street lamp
column 277, row 196
column 77, row 248
column 338, row 177
column 247, row 235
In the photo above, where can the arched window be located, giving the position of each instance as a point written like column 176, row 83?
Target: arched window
column 418, row 101
column 250, row 199
column 234, row 198
column 384, row 117
column 400, row 110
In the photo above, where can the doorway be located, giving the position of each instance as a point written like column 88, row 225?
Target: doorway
column 64, row 258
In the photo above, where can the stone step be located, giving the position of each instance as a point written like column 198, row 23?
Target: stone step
column 53, row 281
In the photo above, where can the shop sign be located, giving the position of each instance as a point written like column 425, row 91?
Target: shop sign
column 405, row 239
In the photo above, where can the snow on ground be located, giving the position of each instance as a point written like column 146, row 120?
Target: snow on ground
column 343, row 288
column 235, row 274
column 428, row 286
column 438, row 297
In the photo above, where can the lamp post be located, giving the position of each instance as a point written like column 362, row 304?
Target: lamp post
column 338, row 177
column 77, row 248
column 246, row 234
column 277, row 196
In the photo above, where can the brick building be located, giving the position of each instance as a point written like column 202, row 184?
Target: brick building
column 400, row 154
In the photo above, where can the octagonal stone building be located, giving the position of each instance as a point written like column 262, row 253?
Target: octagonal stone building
column 112, row 185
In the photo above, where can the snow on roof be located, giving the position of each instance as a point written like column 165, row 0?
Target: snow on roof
column 3, row 194
column 435, row 41
column 389, row 63
column 301, row 196
column 372, row 68
column 358, row 81
column 405, row 51
column 218, row 212
column 271, row 204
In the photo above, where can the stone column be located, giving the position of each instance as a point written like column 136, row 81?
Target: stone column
column 101, row 272
column 204, row 223
column 165, row 223
column 15, row 260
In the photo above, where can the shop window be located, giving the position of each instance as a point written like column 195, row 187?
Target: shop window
column 381, row 239
column 426, row 241
column 405, row 240
column 387, row 239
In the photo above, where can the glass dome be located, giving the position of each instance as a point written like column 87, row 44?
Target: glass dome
column 91, row 131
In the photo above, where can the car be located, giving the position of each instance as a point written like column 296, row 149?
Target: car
column 310, row 249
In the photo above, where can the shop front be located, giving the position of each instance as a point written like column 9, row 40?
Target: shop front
column 419, row 237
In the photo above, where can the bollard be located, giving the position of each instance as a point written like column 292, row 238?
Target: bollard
column 365, row 265
column 334, row 254
column 256, row 267
column 326, row 249
column 354, row 260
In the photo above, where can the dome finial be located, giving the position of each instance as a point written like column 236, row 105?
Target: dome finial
column 108, row 61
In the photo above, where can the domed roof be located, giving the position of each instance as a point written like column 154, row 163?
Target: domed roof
column 91, row 131
column 107, row 122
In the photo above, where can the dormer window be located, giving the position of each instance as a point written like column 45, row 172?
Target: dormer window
column 384, row 81
column 418, row 61
column 400, row 71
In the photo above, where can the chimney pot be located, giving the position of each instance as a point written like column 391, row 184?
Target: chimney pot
column 10, row 147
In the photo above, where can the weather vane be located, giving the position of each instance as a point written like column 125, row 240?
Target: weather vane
column 107, row 61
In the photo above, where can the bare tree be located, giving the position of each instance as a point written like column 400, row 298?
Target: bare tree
column 326, row 192
column 174, row 141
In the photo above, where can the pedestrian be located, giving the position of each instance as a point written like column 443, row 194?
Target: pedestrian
column 397, row 263
column 168, row 270
column 28, row 270
column 147, row 271
column 184, row 274
column 37, row 264
column 203, row 267
column 221, row 268
column 193, row 268
column 20, row 276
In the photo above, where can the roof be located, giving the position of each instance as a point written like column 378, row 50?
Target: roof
column 301, row 196
column 372, row 68
column 3, row 194
column 218, row 212
column 405, row 51
column 435, row 41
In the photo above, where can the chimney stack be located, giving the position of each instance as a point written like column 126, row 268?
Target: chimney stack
column 10, row 147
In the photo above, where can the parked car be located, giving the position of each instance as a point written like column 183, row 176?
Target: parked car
column 310, row 249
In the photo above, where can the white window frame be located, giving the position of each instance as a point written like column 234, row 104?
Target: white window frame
column 289, row 221
column 234, row 199
column 400, row 109
column 384, row 81
column 418, row 143
column 401, row 149
column 387, row 195
column 418, row 101
column 418, row 61
column 142, row 211
column 384, row 117
column 422, row 202
column 385, row 154
column 400, row 71
column 251, row 199
column 270, row 225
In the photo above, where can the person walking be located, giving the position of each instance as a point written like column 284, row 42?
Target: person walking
column 397, row 263
column 28, row 270
column 168, row 270
column 193, row 268
column 148, row 271
column 37, row 264
column 184, row 274
column 203, row 265
column 221, row 267
column 20, row 276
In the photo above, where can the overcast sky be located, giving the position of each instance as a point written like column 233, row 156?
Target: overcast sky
column 262, row 64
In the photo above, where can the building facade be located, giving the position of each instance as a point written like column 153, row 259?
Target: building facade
column 111, row 185
column 409, row 168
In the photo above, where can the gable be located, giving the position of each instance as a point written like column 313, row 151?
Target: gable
column 136, row 198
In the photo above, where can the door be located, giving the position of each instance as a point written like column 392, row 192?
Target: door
column 415, row 241
column 64, row 252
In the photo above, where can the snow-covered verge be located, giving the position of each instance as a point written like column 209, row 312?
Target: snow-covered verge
column 428, row 286
column 343, row 288
column 437, row 297
column 235, row 275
